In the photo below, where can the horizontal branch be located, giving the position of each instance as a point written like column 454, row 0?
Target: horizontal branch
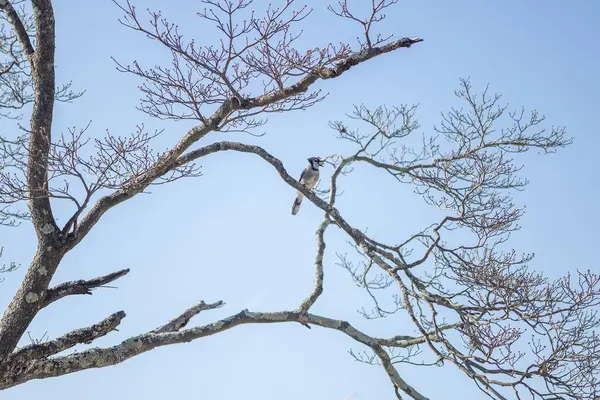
column 103, row 357
column 81, row 286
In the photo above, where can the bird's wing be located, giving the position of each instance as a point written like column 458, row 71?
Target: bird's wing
column 302, row 174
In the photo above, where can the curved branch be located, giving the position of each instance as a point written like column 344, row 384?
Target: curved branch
column 360, row 238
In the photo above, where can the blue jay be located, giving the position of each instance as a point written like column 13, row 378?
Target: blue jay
column 309, row 178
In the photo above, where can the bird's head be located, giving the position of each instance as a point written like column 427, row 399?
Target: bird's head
column 316, row 161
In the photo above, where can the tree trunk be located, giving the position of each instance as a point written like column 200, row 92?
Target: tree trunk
column 30, row 298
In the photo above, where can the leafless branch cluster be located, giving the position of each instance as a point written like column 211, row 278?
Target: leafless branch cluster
column 514, row 332
column 377, row 9
column 79, row 168
column 6, row 268
column 473, row 303
column 15, row 72
column 17, row 92
column 10, row 158
column 16, row 85
column 253, row 56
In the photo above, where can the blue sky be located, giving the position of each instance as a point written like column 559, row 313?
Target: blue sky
column 229, row 236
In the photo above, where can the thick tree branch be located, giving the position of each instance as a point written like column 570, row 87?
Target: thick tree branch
column 41, row 119
column 81, row 286
column 102, row 357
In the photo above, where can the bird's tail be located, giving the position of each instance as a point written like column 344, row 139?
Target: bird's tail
column 297, row 203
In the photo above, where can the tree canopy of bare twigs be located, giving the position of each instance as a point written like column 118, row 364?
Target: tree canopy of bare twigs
column 473, row 303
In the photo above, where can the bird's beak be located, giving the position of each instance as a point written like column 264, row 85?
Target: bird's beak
column 321, row 163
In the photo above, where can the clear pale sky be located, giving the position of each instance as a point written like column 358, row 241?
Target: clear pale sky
column 229, row 235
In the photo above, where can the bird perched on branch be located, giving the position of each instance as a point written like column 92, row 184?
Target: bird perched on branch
column 309, row 178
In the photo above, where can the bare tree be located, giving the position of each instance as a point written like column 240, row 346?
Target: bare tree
column 472, row 301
